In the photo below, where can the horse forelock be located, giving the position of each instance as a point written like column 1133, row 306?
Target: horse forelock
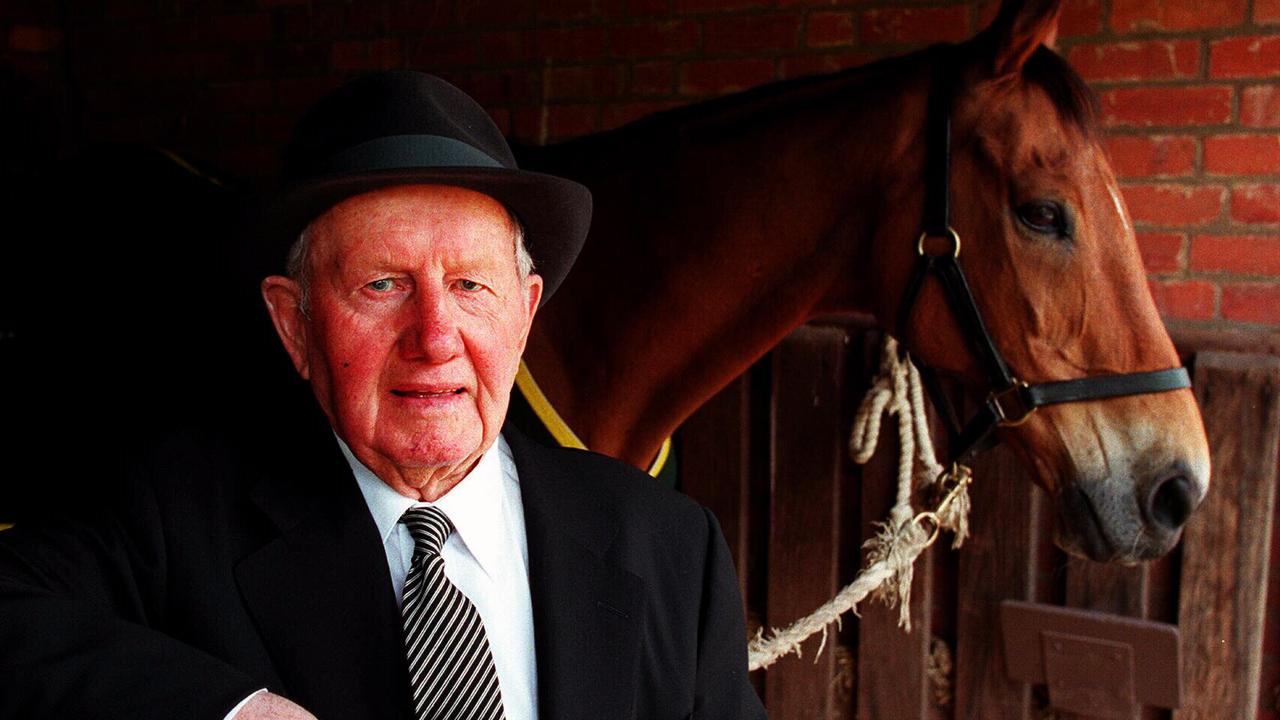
column 1075, row 102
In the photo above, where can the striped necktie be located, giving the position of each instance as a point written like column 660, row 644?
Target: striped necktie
column 451, row 672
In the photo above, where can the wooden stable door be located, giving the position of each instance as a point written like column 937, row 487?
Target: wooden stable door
column 769, row 456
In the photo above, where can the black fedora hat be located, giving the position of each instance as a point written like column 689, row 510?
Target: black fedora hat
column 403, row 127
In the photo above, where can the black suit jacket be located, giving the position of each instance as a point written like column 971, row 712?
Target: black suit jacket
column 226, row 566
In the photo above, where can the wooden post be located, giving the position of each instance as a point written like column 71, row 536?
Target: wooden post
column 1226, row 545
column 804, row 544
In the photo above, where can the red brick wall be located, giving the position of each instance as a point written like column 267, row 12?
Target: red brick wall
column 1190, row 89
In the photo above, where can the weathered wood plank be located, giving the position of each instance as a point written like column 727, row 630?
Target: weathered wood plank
column 1226, row 544
column 714, row 466
column 807, row 447
column 998, row 562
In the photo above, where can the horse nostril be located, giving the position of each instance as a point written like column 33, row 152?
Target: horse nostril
column 1171, row 503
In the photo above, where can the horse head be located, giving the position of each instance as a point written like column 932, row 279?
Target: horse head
column 1050, row 255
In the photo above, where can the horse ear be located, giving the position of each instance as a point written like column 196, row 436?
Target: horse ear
column 1020, row 27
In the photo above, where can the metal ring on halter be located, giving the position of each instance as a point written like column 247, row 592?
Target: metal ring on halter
column 932, row 518
column 1005, row 418
column 950, row 234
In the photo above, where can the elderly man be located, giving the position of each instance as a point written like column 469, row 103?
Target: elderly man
column 410, row 557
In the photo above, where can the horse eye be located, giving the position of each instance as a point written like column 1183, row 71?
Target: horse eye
column 1043, row 217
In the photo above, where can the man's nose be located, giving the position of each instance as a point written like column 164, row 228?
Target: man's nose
column 431, row 331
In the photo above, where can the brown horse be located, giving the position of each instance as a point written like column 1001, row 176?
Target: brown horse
column 722, row 226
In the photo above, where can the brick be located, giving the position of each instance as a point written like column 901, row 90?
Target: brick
column 563, row 9
column 505, row 47
column 1242, row 154
column 516, row 86
column 240, row 29
column 751, row 33
column 1080, row 17
column 298, row 93
column 1186, row 300
column 437, row 51
column 1156, row 59
column 217, row 63
column 701, row 6
column 569, row 121
column 592, row 82
column 32, row 39
column 367, row 20
column 575, row 43
column 1153, row 106
column 1248, row 56
column 1175, row 15
column 824, row 29
column 711, row 77
column 619, row 115
column 491, row 13
column 801, row 65
column 1267, row 12
column 1251, row 302
column 678, row 37
column 1161, row 252
column 1239, row 254
column 652, row 78
column 242, row 96
column 406, row 17
column 1255, row 203
column 1134, row 156
column 297, row 58
column 360, row 55
column 915, row 25
column 647, row 8
column 1260, row 106
column 1174, row 204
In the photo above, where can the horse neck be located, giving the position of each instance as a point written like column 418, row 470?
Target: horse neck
column 710, row 243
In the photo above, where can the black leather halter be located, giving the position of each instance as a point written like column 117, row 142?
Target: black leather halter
column 1010, row 401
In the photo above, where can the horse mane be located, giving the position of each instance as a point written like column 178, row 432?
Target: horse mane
column 1070, row 95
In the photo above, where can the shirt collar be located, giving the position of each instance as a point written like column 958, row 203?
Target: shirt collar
column 470, row 505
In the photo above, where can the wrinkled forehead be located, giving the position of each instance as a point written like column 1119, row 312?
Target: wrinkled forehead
column 408, row 217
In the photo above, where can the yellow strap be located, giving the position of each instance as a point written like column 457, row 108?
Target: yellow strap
column 5, row 526
column 556, row 425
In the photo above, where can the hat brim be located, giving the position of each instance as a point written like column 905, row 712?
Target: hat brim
column 555, row 212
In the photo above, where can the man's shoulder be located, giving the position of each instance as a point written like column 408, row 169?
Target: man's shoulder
column 586, row 481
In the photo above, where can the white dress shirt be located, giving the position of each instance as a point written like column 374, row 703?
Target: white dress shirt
column 486, row 557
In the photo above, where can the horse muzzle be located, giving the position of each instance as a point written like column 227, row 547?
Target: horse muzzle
column 1119, row 519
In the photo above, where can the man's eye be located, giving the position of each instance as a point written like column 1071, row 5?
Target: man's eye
column 469, row 285
column 382, row 285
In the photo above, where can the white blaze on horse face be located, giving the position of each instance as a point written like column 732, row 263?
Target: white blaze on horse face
column 1121, row 212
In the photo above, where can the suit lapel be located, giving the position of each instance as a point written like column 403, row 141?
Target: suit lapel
column 321, row 593
column 586, row 611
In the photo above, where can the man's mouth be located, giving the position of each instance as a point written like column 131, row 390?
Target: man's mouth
column 427, row 393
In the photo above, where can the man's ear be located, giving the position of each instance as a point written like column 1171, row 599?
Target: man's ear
column 533, row 290
column 283, row 297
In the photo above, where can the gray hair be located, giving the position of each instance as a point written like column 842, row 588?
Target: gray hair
column 296, row 262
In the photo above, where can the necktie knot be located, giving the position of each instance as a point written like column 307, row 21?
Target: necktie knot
column 428, row 527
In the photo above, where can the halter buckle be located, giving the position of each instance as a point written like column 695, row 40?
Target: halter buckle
column 998, row 399
column 949, row 234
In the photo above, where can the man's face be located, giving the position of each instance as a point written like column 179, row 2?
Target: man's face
column 417, row 320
